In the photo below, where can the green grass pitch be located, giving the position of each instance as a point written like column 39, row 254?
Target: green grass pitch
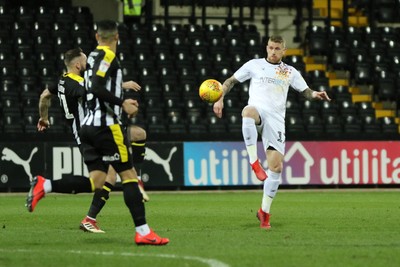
column 213, row 228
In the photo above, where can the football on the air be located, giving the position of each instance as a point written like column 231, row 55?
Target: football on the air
column 210, row 91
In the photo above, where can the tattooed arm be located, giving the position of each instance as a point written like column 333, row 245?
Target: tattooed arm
column 314, row 95
column 226, row 87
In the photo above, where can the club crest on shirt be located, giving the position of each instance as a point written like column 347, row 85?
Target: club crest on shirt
column 283, row 72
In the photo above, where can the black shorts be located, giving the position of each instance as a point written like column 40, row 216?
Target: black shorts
column 102, row 146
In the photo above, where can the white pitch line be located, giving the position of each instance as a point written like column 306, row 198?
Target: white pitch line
column 209, row 262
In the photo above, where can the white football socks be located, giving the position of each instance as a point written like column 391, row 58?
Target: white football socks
column 270, row 189
column 143, row 229
column 47, row 186
column 250, row 134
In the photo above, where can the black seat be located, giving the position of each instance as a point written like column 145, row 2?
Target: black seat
column 314, row 124
column 385, row 87
column 297, row 62
column 310, row 108
column 316, row 77
column 234, row 124
column 387, row 14
column 216, row 125
column 393, row 48
column 347, row 108
column 354, row 33
column 12, row 122
column 329, row 109
column 341, row 93
column 388, row 125
column 339, row 58
column 10, row 102
column 44, row 14
column 292, row 107
column 30, row 120
column 362, row 73
column 352, row 125
column 332, row 125
column 317, row 40
column 370, row 125
column 294, row 124
column 176, row 124
column 365, row 109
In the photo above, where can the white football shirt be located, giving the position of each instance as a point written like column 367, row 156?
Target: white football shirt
column 269, row 84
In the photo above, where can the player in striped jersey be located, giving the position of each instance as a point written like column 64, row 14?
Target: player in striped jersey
column 71, row 94
column 104, row 142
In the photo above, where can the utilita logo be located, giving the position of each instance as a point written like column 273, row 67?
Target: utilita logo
column 226, row 167
column 342, row 163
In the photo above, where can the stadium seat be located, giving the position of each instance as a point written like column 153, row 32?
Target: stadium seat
column 388, row 125
column 352, row 125
column 175, row 31
column 317, row 40
column 292, row 107
column 340, row 93
column 354, row 33
column 310, row 108
column 12, row 122
column 30, row 121
column 176, row 124
column 387, row 14
column 317, row 77
column 347, row 108
column 294, row 124
column 329, row 109
column 314, row 124
column 385, row 87
column 216, row 125
column 370, row 125
column 365, row 109
column 339, row 58
column 332, row 125
column 44, row 14
column 297, row 62
column 362, row 73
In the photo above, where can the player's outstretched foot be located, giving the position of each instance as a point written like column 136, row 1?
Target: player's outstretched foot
column 90, row 225
column 146, row 197
column 36, row 192
column 259, row 170
column 151, row 239
column 263, row 217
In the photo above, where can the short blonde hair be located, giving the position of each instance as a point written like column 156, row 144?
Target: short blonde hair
column 277, row 39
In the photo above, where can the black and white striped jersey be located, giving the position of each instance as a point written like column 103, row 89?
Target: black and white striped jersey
column 103, row 82
column 71, row 94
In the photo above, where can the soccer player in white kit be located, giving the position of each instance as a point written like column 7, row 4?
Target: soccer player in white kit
column 270, row 79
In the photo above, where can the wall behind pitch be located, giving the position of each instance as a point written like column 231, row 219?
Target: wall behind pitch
column 174, row 165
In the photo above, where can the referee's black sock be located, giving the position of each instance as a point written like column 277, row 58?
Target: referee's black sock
column 72, row 184
column 134, row 201
column 100, row 198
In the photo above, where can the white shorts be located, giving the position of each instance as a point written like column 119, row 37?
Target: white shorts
column 272, row 131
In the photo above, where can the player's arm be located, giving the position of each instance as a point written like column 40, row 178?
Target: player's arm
column 226, row 88
column 131, row 85
column 315, row 95
column 99, row 90
column 44, row 104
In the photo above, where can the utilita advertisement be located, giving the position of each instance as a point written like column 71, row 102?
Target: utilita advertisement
column 305, row 163
column 196, row 164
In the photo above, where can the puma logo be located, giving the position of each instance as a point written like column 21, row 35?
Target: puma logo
column 153, row 156
column 10, row 155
